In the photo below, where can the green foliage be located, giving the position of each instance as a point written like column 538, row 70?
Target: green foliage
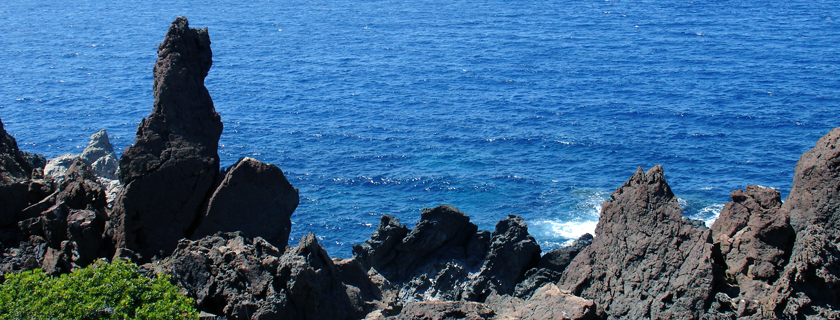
column 100, row 291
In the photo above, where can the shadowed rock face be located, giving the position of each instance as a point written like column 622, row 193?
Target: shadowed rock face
column 14, row 176
column 754, row 240
column 254, row 198
column 645, row 262
column 172, row 166
column 808, row 284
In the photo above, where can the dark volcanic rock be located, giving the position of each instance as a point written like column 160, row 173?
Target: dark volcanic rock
column 13, row 162
column 226, row 274
column 431, row 261
column 445, row 258
column 312, row 283
column 645, row 262
column 254, row 198
column 442, row 234
column 69, row 224
column 551, row 266
column 241, row 278
column 71, row 220
column 378, row 251
column 754, row 240
column 558, row 259
column 172, row 166
column 808, row 285
column 15, row 172
column 512, row 252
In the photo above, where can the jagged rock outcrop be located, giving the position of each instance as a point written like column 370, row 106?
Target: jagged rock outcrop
column 645, row 262
column 445, row 257
column 15, row 172
column 754, row 240
column 172, row 166
column 550, row 267
column 99, row 155
column 70, row 223
column 512, row 251
column 808, row 286
column 262, row 198
column 172, row 185
column 444, row 234
column 240, row 278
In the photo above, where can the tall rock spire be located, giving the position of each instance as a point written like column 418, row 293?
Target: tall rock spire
column 172, row 166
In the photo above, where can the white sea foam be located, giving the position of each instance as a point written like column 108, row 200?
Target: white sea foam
column 580, row 220
column 571, row 229
column 712, row 212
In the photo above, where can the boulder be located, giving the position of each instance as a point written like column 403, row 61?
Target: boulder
column 254, row 198
column 645, row 262
column 173, row 164
column 754, row 240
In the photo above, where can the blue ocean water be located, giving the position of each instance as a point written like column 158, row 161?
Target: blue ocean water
column 534, row 108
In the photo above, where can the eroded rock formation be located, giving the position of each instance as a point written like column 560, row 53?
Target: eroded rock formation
column 645, row 261
column 808, row 285
column 172, row 185
column 172, row 166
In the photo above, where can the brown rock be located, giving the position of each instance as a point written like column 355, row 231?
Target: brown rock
column 442, row 310
column 754, row 240
column 808, row 285
column 547, row 302
column 644, row 262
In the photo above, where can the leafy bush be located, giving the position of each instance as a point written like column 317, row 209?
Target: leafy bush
column 100, row 291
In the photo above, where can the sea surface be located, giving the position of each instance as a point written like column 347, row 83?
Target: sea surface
column 534, row 108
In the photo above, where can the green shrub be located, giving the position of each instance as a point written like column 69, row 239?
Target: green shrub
column 100, row 291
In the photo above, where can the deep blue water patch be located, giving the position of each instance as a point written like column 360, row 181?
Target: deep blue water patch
column 537, row 108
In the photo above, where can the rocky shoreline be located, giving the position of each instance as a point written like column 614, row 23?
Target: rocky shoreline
column 223, row 235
